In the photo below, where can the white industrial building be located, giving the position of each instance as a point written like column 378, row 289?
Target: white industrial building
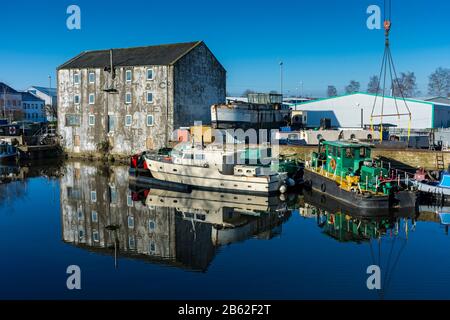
column 354, row 111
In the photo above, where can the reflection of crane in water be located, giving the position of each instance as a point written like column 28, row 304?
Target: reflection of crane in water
column 392, row 261
column 346, row 228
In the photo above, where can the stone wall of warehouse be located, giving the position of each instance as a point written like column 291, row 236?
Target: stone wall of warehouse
column 124, row 139
column 401, row 158
column 199, row 82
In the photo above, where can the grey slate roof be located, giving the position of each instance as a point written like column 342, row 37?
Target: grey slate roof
column 139, row 56
column 5, row 88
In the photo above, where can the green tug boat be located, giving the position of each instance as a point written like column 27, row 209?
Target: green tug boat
column 346, row 171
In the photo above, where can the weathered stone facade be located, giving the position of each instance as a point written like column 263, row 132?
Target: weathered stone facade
column 181, row 92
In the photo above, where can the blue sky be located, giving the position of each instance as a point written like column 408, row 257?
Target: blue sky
column 321, row 42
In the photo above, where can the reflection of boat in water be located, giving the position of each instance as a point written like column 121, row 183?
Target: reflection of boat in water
column 334, row 205
column 382, row 230
column 234, row 217
column 359, row 223
column 101, row 214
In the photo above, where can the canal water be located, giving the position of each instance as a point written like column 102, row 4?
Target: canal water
column 132, row 242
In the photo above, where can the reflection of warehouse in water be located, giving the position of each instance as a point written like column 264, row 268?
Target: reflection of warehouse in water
column 99, row 214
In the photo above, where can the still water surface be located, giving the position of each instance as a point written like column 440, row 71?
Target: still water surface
column 135, row 243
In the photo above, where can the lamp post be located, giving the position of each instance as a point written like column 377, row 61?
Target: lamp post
column 281, row 78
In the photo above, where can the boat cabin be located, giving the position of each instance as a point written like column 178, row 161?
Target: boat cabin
column 342, row 158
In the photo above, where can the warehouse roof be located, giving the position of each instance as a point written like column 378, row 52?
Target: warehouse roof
column 26, row 96
column 48, row 91
column 166, row 54
column 371, row 94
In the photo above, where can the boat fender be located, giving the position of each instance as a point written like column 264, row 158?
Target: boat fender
column 323, row 187
column 205, row 165
column 283, row 188
column 290, row 182
column 307, row 184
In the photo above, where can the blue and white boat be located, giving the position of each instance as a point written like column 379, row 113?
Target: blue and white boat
column 436, row 190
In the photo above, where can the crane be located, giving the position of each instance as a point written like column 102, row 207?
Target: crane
column 388, row 70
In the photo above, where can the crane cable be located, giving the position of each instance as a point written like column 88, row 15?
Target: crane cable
column 388, row 60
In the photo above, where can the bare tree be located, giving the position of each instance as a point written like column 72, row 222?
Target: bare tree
column 439, row 82
column 374, row 85
column 353, row 87
column 51, row 111
column 332, row 91
column 406, row 85
column 247, row 92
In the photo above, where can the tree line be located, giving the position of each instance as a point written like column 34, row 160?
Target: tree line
column 438, row 85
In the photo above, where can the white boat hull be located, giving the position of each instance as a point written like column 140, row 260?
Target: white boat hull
column 212, row 178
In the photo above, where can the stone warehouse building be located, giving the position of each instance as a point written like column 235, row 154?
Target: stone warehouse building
column 136, row 104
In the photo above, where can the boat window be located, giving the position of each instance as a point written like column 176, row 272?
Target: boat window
column 199, row 157
column 200, row 217
column 362, row 152
column 188, row 156
column 348, row 153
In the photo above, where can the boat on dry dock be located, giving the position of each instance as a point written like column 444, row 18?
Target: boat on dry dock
column 213, row 168
column 346, row 171
column 262, row 111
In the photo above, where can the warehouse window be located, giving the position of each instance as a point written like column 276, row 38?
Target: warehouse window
column 93, row 196
column 128, row 76
column 94, row 216
column 91, row 98
column 128, row 97
column 76, row 78
column 95, row 236
column 73, row 120
column 131, row 222
column 91, row 77
column 76, row 99
column 150, row 74
column 149, row 97
column 91, row 120
column 111, row 123
column 128, row 120
column 149, row 120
